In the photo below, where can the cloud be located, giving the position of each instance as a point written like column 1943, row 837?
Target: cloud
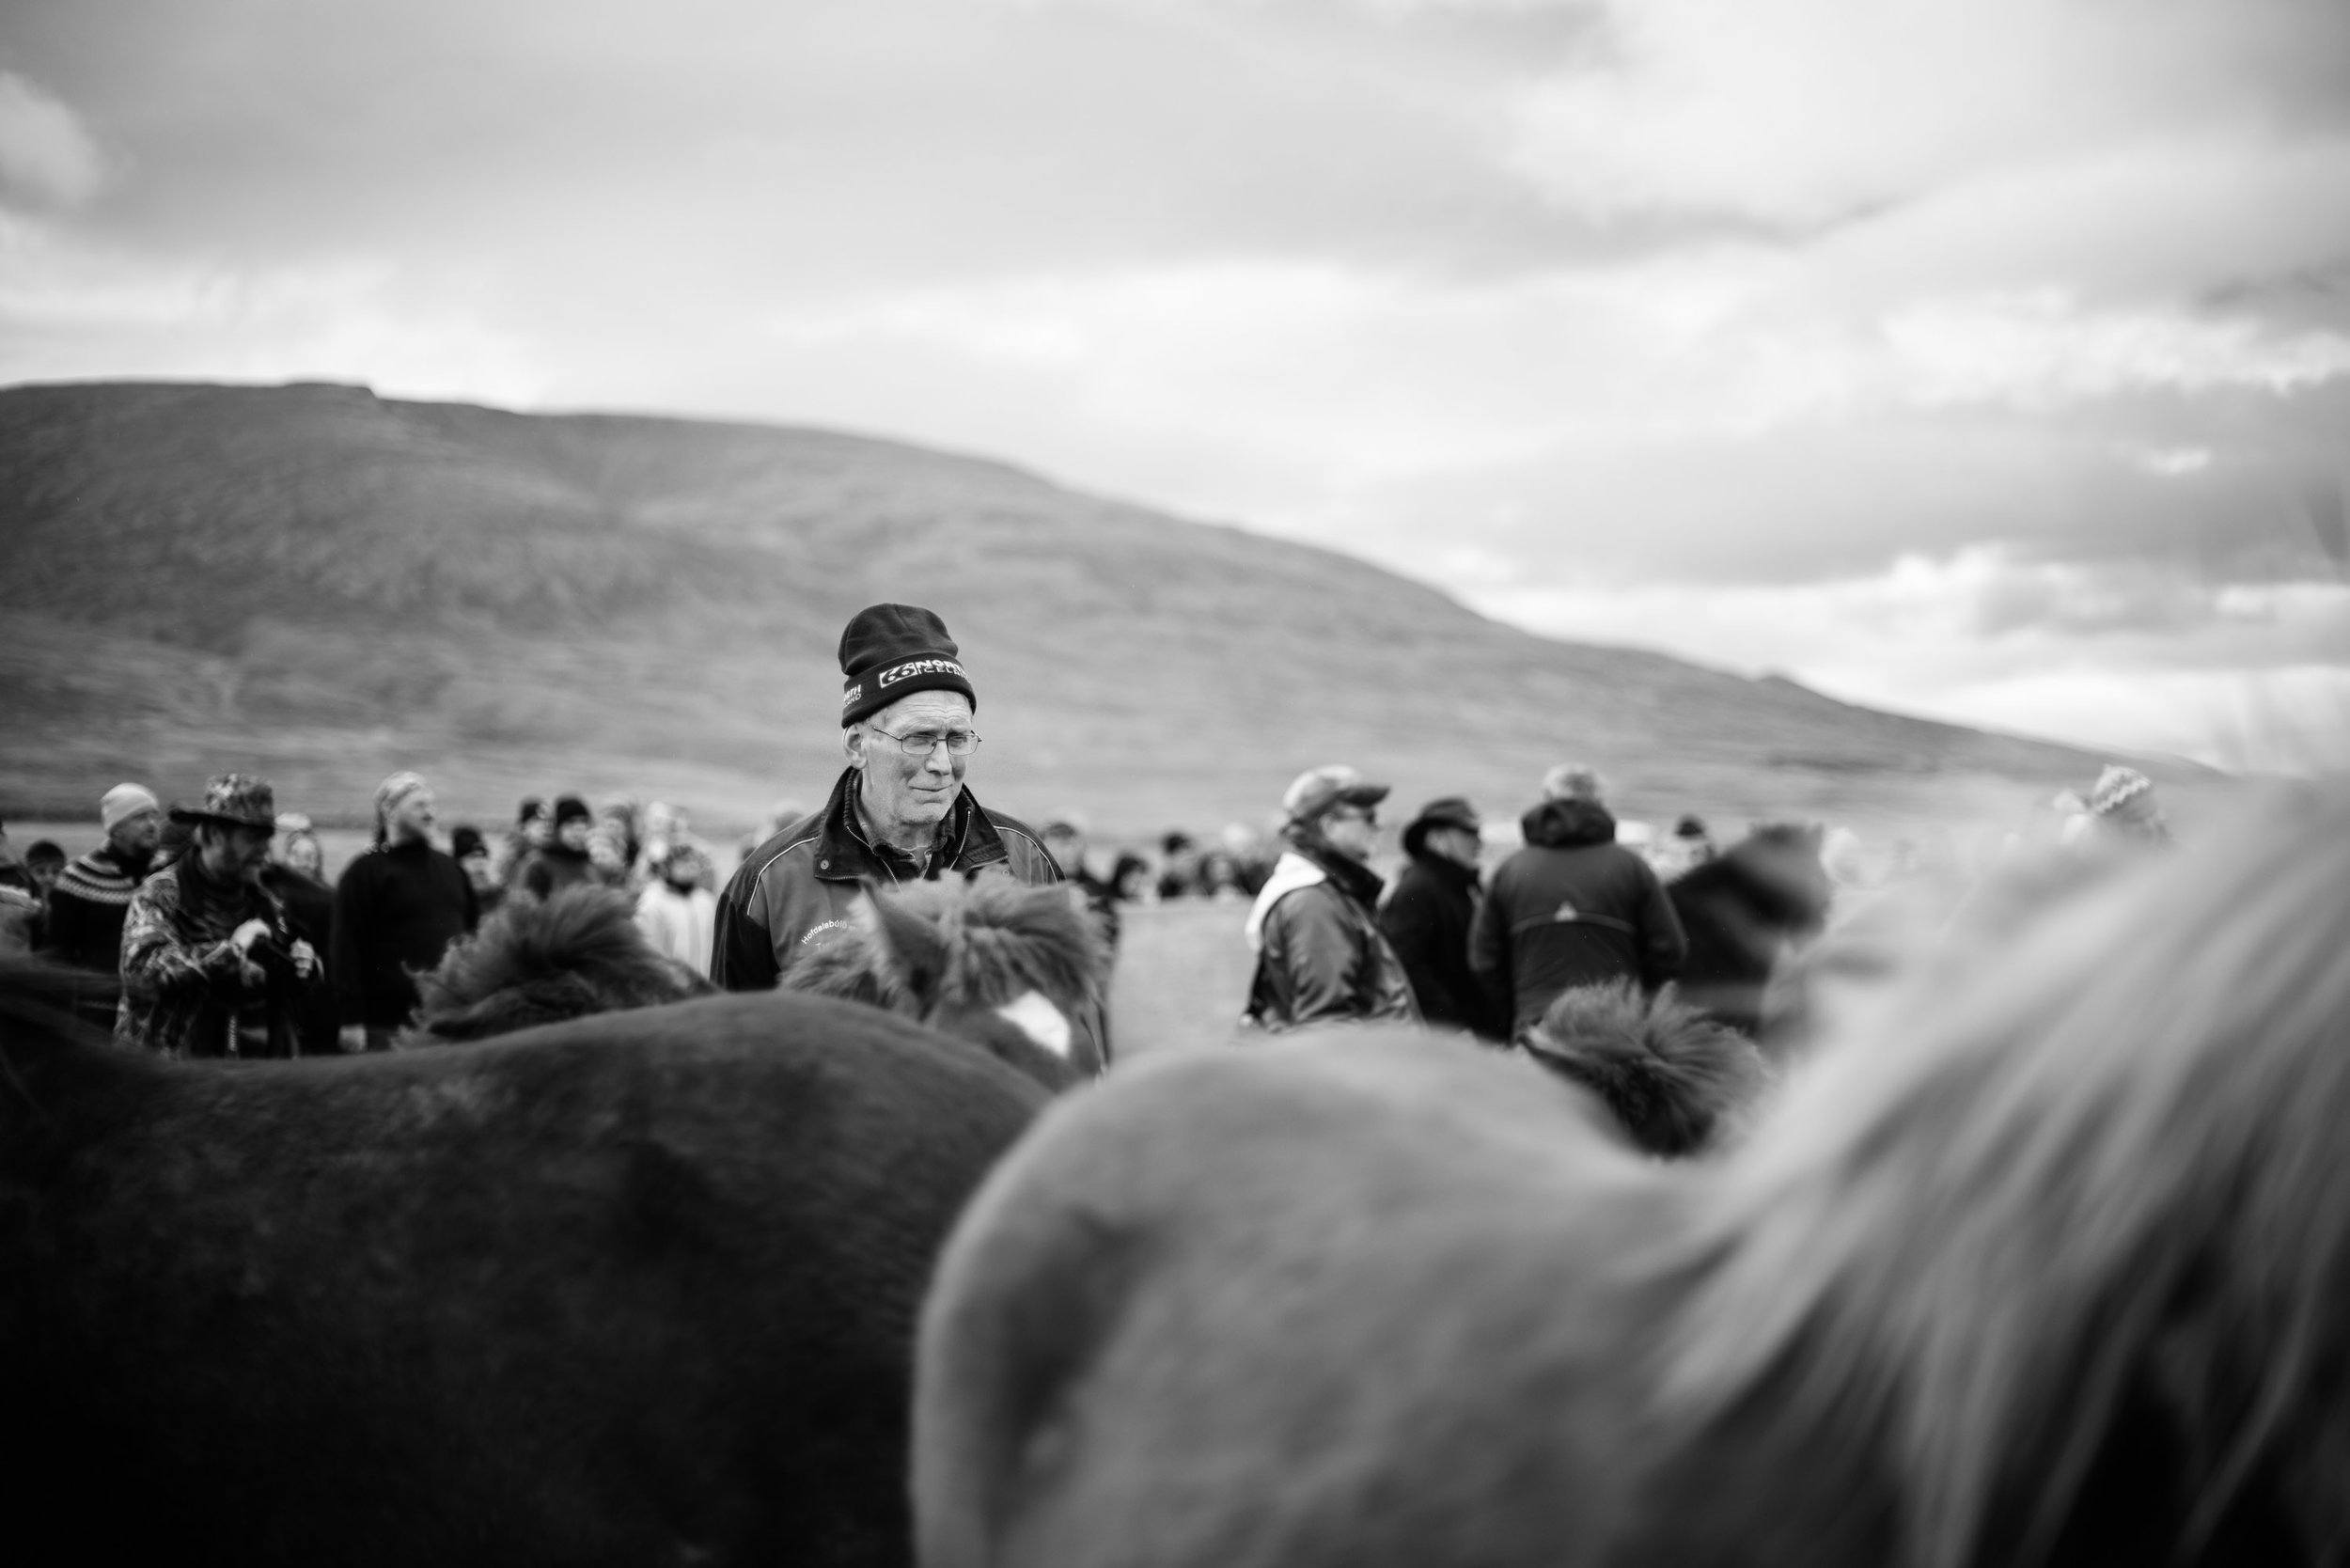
column 47, row 157
column 1810, row 112
column 2241, row 676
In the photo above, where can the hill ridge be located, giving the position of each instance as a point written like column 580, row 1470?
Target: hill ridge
column 325, row 584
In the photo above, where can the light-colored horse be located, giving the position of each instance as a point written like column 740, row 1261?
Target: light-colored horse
column 2051, row 1268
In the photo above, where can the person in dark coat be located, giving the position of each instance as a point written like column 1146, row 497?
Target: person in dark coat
column 398, row 908
column 472, row 854
column 291, row 877
column 1428, row 914
column 1573, row 907
column 563, row 860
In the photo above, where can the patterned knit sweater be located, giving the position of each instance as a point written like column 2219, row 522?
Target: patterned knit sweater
column 86, row 908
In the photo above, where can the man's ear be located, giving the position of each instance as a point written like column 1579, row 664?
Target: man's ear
column 852, row 744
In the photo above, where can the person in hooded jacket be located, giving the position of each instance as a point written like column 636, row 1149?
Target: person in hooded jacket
column 1428, row 912
column 1321, row 957
column 1573, row 907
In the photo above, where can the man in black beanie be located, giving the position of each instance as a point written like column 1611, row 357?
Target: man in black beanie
column 899, row 813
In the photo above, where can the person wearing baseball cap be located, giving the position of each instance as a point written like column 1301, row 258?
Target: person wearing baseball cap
column 1321, row 957
column 93, row 894
column 900, row 811
column 1427, row 918
column 209, row 966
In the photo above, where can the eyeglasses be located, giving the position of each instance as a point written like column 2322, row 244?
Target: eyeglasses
column 1355, row 813
column 922, row 743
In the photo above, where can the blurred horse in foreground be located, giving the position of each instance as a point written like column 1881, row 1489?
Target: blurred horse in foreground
column 2051, row 1266
column 637, row 1287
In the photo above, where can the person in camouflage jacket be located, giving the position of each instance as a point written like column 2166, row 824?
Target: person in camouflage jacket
column 209, row 966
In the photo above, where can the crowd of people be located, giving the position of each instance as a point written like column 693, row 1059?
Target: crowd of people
column 226, row 935
column 220, row 934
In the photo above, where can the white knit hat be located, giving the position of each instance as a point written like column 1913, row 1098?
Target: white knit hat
column 123, row 802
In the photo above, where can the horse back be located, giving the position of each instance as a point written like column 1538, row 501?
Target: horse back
column 630, row 1288
column 1255, row 1308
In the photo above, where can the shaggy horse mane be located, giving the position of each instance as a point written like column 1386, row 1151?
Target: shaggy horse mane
column 2114, row 1171
column 995, row 940
column 540, row 961
column 1672, row 1076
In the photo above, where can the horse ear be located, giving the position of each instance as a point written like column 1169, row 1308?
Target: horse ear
column 910, row 950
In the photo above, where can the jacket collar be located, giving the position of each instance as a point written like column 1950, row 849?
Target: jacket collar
column 966, row 842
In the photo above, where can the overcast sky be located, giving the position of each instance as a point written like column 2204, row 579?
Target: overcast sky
column 1982, row 358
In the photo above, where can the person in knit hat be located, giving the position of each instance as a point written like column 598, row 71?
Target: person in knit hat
column 209, row 965
column 93, row 894
column 398, row 908
column 2123, row 810
column 899, row 812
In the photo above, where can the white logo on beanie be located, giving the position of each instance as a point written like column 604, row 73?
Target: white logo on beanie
column 919, row 667
column 853, row 694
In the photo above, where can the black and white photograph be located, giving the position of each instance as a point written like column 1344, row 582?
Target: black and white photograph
column 1175, row 783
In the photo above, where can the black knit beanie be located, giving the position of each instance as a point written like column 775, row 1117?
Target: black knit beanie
column 571, row 808
column 894, row 650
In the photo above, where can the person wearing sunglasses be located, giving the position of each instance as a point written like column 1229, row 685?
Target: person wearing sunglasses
column 900, row 811
column 1321, row 957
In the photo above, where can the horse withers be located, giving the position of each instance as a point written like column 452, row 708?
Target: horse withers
column 2050, row 1266
column 633, row 1288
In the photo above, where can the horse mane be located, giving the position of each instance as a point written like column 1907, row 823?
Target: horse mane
column 542, row 960
column 1672, row 1075
column 976, row 944
column 2111, row 1172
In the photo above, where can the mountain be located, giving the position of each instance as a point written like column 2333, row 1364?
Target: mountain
column 323, row 586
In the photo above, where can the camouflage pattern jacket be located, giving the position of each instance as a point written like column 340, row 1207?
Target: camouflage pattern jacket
column 186, row 990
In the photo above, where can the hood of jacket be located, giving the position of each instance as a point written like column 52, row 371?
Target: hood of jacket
column 1568, row 824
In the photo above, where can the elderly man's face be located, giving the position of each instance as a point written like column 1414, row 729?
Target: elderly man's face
column 911, row 789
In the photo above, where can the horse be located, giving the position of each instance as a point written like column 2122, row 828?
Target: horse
column 2050, row 1266
column 1023, row 971
column 631, row 1289
column 1743, row 911
column 1675, row 1080
column 540, row 960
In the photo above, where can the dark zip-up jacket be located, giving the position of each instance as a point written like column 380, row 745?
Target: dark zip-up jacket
column 1427, row 918
column 1573, row 907
column 798, row 887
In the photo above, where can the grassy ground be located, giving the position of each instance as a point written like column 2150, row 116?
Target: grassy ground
column 1182, row 977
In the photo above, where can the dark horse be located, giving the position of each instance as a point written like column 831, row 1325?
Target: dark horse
column 2051, row 1268
column 1674, row 1079
column 1743, row 911
column 634, row 1288
column 1022, row 971
column 540, row 960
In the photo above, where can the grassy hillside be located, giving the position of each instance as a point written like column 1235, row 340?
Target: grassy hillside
column 322, row 585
